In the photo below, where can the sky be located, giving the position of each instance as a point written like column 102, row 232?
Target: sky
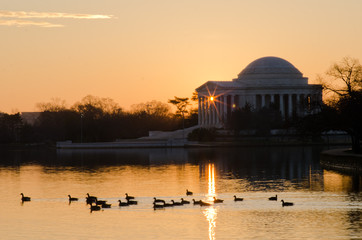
column 137, row 51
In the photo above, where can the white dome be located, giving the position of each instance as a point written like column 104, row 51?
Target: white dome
column 271, row 70
column 270, row 65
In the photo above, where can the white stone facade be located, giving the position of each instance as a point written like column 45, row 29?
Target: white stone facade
column 267, row 81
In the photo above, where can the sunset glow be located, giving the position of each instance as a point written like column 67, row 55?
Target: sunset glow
column 139, row 51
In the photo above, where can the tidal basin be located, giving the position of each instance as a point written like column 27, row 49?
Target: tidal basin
column 327, row 204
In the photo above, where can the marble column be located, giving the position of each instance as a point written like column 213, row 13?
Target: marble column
column 290, row 105
column 262, row 100
column 281, row 105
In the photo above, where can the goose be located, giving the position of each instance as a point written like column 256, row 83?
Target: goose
column 129, row 197
column 100, row 202
column 131, row 202
column 121, row 204
column 94, row 207
column 106, row 205
column 218, row 200
column 189, row 193
column 90, row 199
column 284, row 204
column 196, row 202
column 184, row 201
column 273, row 198
column 168, row 204
column 236, row 199
column 176, row 203
column 155, row 200
column 72, row 198
column 202, row 203
column 24, row 199
column 158, row 206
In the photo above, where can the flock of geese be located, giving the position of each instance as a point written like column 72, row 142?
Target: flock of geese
column 96, row 205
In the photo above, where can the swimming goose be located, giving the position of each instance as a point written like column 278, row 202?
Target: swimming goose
column 129, row 197
column 155, row 200
column 94, row 207
column 158, row 206
column 202, row 203
column 106, row 205
column 168, row 204
column 24, row 199
column 196, row 202
column 189, row 193
column 131, row 202
column 184, row 201
column 273, row 198
column 90, row 199
column 72, row 198
column 218, row 200
column 100, row 202
column 284, row 204
column 122, row 203
column 176, row 203
column 236, row 199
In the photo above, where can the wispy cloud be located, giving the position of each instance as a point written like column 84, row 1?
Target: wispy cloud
column 23, row 23
column 12, row 18
column 21, row 14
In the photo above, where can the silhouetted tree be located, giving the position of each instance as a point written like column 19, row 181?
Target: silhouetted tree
column 345, row 80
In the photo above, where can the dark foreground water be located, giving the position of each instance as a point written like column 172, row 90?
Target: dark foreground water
column 327, row 204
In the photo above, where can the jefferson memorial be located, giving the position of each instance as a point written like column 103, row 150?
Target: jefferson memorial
column 265, row 82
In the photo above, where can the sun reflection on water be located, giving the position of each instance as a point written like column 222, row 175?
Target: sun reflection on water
column 211, row 212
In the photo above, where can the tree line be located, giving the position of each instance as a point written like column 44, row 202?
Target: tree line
column 93, row 119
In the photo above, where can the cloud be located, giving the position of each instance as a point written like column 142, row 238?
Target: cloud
column 21, row 14
column 12, row 18
column 23, row 23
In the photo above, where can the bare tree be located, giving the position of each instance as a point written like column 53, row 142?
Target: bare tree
column 55, row 105
column 345, row 80
column 155, row 108
column 344, row 77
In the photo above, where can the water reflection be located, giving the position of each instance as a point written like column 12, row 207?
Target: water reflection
column 211, row 212
column 328, row 204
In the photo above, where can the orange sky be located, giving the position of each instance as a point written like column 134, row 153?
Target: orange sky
column 140, row 50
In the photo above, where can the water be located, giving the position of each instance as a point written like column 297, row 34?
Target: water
column 327, row 204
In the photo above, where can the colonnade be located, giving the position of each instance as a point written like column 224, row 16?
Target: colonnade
column 215, row 111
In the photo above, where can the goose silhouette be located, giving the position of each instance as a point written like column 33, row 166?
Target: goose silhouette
column 176, row 203
column 24, row 199
column 131, row 202
column 158, row 206
column 189, row 193
column 121, row 204
column 202, row 203
column 284, row 204
column 71, row 199
column 94, row 207
column 155, row 200
column 184, row 201
column 100, row 202
column 236, row 199
column 129, row 197
column 273, row 198
column 106, row 205
column 168, row 204
column 90, row 199
column 196, row 202
column 218, row 200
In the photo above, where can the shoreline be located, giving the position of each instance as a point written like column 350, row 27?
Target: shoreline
column 342, row 160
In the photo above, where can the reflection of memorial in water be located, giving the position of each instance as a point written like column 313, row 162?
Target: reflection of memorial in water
column 211, row 212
